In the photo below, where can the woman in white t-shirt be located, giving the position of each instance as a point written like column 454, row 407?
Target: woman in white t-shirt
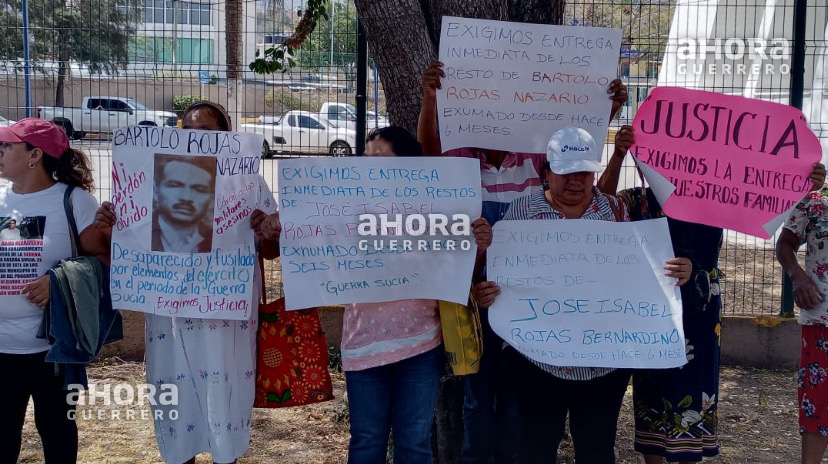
column 36, row 158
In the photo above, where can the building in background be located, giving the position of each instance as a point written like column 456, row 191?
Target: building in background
column 180, row 38
column 746, row 49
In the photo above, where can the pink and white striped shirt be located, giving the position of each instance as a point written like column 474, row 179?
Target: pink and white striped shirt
column 378, row 334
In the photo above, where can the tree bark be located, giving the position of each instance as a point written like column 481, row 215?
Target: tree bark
column 63, row 68
column 233, row 17
column 537, row 11
column 400, row 44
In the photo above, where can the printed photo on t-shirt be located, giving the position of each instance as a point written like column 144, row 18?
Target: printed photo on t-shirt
column 21, row 252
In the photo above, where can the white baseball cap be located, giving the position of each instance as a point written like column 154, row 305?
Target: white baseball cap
column 572, row 149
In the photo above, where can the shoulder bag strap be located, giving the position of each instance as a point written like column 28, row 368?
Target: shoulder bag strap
column 70, row 218
column 617, row 207
column 262, row 272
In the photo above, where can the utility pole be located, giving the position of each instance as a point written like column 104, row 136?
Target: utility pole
column 27, row 65
column 331, row 25
column 175, row 38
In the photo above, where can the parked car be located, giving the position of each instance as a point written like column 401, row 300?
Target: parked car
column 302, row 132
column 345, row 115
column 105, row 114
column 376, row 120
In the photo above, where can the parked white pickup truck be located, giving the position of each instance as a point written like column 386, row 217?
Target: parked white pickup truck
column 345, row 114
column 303, row 132
column 104, row 114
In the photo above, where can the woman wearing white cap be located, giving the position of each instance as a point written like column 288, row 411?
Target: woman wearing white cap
column 36, row 158
column 591, row 396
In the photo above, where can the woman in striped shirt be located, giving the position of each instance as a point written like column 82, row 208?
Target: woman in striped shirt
column 591, row 396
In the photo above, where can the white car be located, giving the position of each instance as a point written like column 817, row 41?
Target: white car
column 345, row 115
column 376, row 121
column 303, row 132
column 6, row 122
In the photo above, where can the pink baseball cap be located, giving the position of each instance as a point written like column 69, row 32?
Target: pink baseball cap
column 39, row 133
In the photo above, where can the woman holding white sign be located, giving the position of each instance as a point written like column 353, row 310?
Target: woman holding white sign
column 489, row 410
column 590, row 396
column 676, row 409
column 211, row 362
column 392, row 354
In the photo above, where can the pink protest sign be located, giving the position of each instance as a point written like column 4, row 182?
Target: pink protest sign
column 735, row 162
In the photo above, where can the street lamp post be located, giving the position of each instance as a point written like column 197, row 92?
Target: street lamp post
column 331, row 63
column 27, row 66
column 175, row 38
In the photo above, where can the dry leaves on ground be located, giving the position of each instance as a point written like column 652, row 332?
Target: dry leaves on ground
column 758, row 424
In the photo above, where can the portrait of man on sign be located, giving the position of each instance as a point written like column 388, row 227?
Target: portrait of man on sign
column 183, row 200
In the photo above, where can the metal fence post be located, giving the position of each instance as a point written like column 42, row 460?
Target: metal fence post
column 797, row 90
column 362, row 88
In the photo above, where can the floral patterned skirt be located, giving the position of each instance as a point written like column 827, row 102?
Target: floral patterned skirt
column 212, row 363
column 676, row 409
column 812, row 389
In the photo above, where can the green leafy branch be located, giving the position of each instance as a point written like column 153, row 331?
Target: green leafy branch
column 279, row 57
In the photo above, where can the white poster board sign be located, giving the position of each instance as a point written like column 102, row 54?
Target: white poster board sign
column 587, row 293
column 510, row 86
column 182, row 244
column 325, row 259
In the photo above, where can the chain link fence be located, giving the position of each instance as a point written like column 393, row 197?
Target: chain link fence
column 155, row 57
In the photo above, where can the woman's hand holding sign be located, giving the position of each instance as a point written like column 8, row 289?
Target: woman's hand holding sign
column 268, row 229
column 618, row 93
column 482, row 234
column 485, row 293
column 105, row 217
column 817, row 176
column 680, row 268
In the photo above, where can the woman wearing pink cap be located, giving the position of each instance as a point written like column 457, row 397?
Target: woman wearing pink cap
column 36, row 158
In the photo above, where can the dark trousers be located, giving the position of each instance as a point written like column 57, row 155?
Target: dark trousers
column 29, row 375
column 490, row 412
column 545, row 401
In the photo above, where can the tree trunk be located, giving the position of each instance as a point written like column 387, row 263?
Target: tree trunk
column 63, row 69
column 537, row 11
column 447, row 438
column 403, row 36
column 233, row 17
column 400, row 44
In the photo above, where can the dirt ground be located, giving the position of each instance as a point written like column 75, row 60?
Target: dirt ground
column 757, row 414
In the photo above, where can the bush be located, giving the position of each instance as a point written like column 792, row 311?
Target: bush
column 181, row 102
column 289, row 100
